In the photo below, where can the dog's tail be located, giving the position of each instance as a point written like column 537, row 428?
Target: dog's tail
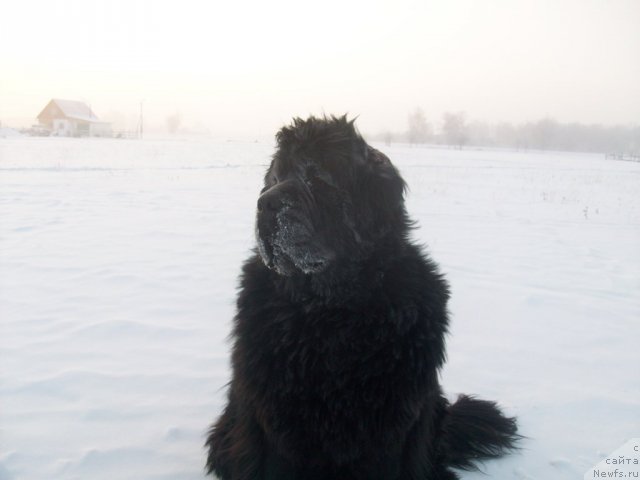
column 474, row 430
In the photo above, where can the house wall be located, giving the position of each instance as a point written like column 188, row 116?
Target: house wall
column 50, row 113
column 61, row 127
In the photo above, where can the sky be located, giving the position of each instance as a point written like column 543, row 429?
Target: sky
column 244, row 68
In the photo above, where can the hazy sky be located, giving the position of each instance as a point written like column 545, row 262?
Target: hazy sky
column 244, row 68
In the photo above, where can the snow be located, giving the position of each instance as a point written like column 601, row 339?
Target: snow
column 6, row 132
column 118, row 268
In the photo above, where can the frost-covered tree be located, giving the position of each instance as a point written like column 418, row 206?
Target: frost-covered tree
column 545, row 134
column 420, row 130
column 455, row 128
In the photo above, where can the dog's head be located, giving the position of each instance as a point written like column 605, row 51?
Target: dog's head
column 328, row 197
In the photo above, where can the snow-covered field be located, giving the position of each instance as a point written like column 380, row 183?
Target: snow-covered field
column 118, row 265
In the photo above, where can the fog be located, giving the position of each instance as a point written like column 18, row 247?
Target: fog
column 242, row 69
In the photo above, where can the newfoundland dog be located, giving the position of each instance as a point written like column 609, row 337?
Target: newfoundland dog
column 339, row 332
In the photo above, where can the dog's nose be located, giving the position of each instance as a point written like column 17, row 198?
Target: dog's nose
column 269, row 201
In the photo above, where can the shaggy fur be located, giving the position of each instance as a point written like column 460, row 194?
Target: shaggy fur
column 339, row 332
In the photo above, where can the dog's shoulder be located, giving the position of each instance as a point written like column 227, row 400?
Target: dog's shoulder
column 414, row 278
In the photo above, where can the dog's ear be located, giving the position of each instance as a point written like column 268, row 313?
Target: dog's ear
column 379, row 165
column 383, row 182
column 376, row 157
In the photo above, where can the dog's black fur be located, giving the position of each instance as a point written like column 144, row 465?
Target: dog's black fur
column 339, row 333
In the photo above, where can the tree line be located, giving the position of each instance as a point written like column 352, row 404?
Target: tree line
column 457, row 131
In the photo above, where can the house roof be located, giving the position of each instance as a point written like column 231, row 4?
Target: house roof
column 73, row 109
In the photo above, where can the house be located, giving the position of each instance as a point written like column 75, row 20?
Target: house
column 70, row 118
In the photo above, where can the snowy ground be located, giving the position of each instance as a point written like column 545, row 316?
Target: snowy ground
column 118, row 264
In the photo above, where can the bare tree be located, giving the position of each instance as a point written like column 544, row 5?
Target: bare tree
column 455, row 128
column 420, row 130
column 545, row 133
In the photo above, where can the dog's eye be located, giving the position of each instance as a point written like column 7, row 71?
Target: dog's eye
column 308, row 180
column 326, row 178
column 314, row 173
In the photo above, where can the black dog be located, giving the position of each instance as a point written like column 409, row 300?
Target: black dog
column 340, row 329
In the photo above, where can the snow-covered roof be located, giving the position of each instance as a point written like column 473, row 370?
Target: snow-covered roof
column 73, row 109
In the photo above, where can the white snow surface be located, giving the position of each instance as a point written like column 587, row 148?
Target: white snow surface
column 118, row 273
column 9, row 132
